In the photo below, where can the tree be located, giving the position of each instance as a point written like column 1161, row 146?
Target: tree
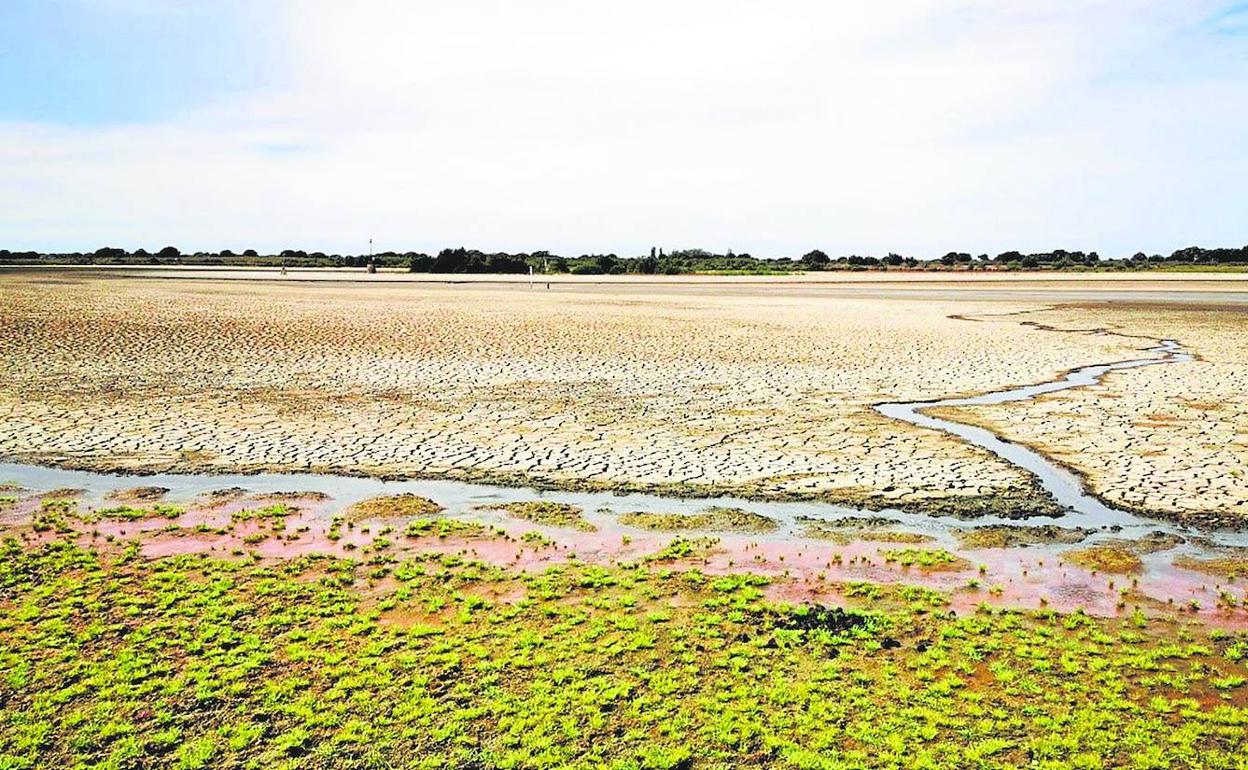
column 894, row 259
column 169, row 252
column 506, row 263
column 606, row 263
column 250, row 253
column 450, row 261
column 815, row 259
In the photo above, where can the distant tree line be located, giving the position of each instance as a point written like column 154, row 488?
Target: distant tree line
column 656, row 262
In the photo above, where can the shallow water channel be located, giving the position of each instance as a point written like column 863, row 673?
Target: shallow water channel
column 1082, row 508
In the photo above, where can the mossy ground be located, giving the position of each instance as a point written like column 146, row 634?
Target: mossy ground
column 1014, row 536
column 716, row 518
column 110, row 660
column 546, row 512
column 145, row 494
column 1232, row 565
column 1105, row 558
column 393, row 507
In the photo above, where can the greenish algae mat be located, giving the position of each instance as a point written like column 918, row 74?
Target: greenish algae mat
column 431, row 660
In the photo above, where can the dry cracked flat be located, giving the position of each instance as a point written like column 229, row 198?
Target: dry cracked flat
column 731, row 390
column 1170, row 440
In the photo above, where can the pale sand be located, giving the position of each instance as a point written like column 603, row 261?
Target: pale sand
column 682, row 386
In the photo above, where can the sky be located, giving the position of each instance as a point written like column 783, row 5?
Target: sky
column 769, row 127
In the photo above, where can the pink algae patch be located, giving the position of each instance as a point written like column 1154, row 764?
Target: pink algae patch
column 802, row 570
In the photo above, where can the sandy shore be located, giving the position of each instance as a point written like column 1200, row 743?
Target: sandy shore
column 699, row 387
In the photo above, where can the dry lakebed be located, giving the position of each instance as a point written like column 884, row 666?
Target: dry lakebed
column 329, row 519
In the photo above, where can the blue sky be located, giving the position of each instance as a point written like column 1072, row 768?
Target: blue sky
column 82, row 62
column 919, row 126
column 1230, row 19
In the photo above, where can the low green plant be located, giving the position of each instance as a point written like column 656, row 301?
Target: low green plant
column 430, row 659
column 927, row 558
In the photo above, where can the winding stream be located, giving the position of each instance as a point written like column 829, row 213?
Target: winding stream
column 1082, row 509
column 1067, row 488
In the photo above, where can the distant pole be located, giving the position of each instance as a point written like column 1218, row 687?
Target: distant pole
column 530, row 277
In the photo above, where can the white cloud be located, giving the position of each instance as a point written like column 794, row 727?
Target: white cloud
column 761, row 126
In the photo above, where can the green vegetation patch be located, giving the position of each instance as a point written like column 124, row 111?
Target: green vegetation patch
column 925, row 558
column 545, row 512
column 393, row 507
column 717, row 518
column 276, row 511
column 684, row 548
column 536, row 540
column 443, row 528
column 129, row 513
column 1114, row 559
column 107, row 660
column 54, row 515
